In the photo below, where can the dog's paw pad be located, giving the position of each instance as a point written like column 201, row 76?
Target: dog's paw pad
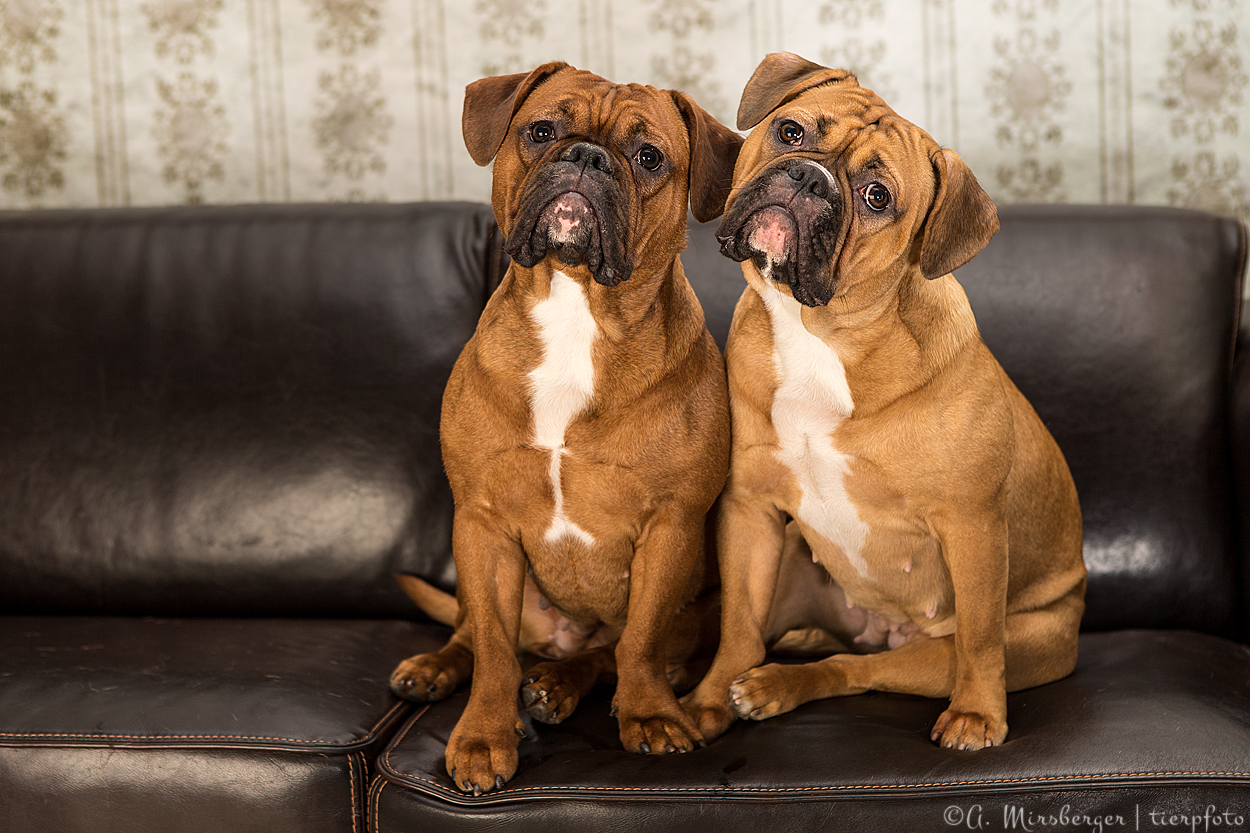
column 549, row 701
column 711, row 721
column 663, row 732
column 967, row 730
column 478, row 766
column 761, row 693
column 423, row 679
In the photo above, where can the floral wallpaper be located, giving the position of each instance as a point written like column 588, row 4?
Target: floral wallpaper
column 142, row 102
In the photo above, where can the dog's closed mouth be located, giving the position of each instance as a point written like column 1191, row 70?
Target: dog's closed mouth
column 570, row 227
column 769, row 236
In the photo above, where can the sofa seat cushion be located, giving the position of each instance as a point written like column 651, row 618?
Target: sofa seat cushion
column 194, row 724
column 1150, row 721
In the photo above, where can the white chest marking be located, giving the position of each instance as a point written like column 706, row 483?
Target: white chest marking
column 812, row 400
column 562, row 384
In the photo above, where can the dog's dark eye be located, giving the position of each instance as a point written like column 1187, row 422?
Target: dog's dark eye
column 542, row 131
column 877, row 196
column 790, row 132
column 649, row 157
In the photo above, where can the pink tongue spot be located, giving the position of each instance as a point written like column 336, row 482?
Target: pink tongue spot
column 772, row 233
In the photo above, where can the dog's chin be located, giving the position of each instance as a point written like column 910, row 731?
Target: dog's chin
column 802, row 291
column 805, row 292
column 568, row 229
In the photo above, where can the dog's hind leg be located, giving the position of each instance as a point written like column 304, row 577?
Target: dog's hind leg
column 1040, row 648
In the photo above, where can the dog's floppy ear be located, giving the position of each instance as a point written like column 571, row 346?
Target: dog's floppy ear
column 490, row 104
column 780, row 77
column 960, row 222
column 713, row 152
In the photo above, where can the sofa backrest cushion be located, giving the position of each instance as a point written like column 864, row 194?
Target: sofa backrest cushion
column 234, row 411
column 230, row 411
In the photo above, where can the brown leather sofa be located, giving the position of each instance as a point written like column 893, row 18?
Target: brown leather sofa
column 219, row 440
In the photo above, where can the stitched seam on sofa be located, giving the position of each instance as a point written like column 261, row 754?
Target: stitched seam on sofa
column 388, row 719
column 385, row 721
column 156, row 739
column 105, row 736
column 1057, row 780
column 384, row 760
column 351, row 778
column 382, row 783
column 367, row 738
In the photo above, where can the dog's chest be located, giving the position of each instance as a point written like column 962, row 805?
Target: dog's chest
column 812, row 400
column 562, row 385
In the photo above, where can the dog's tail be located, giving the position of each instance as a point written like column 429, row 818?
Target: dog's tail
column 438, row 605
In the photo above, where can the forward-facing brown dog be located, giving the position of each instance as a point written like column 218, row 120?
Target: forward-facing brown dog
column 867, row 409
column 585, row 427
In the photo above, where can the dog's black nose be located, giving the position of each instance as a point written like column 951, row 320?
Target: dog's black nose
column 808, row 178
column 588, row 155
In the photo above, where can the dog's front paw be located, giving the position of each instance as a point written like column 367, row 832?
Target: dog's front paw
column 425, row 678
column 481, row 761
column 765, row 692
column 660, row 732
column 968, row 730
column 548, row 695
column 712, row 719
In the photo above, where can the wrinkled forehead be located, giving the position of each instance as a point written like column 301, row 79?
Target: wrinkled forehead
column 600, row 107
column 841, row 105
column 854, row 122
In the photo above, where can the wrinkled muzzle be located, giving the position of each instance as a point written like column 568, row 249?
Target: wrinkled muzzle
column 574, row 209
column 789, row 222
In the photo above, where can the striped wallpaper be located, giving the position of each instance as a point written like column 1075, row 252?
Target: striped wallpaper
column 141, row 102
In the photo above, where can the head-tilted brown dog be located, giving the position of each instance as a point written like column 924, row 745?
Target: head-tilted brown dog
column 835, row 176
column 592, row 170
column 585, row 426
column 873, row 431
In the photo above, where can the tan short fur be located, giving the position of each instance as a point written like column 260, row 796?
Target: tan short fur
column 964, row 543
column 607, row 517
